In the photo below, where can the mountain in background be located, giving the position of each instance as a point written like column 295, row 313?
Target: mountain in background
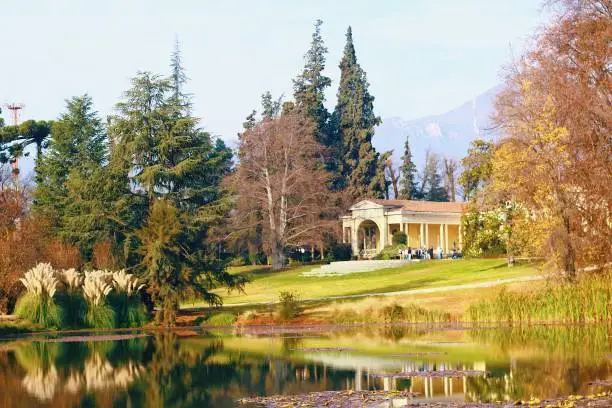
column 448, row 134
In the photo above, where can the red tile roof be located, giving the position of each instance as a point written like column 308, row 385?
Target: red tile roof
column 422, row 206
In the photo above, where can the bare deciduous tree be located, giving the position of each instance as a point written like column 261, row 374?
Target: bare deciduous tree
column 392, row 173
column 280, row 176
column 451, row 170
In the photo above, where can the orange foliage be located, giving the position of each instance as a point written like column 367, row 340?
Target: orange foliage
column 24, row 242
column 103, row 257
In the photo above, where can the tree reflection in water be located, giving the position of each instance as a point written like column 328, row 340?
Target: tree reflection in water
column 166, row 370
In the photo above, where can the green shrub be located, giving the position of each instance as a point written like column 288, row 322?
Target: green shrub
column 389, row 252
column 413, row 314
column 100, row 316
column 340, row 252
column 129, row 310
column 289, row 305
column 399, row 238
column 40, row 310
column 221, row 319
column 74, row 306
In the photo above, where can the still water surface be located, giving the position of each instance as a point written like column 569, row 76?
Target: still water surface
column 215, row 368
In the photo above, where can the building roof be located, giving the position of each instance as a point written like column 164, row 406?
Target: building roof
column 421, row 206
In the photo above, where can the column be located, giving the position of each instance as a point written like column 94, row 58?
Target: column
column 426, row 235
column 407, row 234
column 460, row 238
column 441, row 239
column 446, row 249
column 422, row 236
column 354, row 238
column 384, row 232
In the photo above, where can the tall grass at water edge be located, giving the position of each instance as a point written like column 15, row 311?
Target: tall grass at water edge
column 393, row 313
column 589, row 300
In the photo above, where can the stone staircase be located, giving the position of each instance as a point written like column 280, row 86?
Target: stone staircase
column 349, row 267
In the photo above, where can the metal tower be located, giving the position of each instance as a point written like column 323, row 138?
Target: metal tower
column 15, row 109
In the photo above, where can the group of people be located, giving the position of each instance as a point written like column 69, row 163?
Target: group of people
column 424, row 253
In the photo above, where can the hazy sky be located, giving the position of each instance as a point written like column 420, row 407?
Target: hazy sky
column 422, row 56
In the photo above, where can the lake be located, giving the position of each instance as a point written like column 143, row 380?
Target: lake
column 215, row 368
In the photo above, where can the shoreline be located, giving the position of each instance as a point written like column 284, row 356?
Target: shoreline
column 276, row 328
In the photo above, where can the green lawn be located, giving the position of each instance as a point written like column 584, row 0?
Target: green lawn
column 265, row 285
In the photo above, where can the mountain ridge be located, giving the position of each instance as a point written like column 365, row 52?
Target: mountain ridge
column 448, row 134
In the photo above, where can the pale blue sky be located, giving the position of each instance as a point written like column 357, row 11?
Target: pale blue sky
column 422, row 57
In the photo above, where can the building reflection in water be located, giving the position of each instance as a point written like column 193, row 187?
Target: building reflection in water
column 215, row 371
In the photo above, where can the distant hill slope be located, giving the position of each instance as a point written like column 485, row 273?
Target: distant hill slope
column 448, row 134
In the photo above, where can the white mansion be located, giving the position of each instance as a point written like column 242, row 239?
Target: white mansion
column 427, row 224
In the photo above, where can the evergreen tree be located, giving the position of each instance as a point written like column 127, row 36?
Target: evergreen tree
column 408, row 170
column 271, row 108
column 77, row 145
column 354, row 121
column 435, row 190
column 178, row 77
column 309, row 87
column 176, row 168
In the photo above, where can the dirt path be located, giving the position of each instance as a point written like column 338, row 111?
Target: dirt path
column 477, row 285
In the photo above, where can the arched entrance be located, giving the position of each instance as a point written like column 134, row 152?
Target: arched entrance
column 368, row 239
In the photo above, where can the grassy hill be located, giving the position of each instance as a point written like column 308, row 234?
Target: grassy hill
column 265, row 284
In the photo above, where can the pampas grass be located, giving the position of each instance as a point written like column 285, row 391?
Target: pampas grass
column 96, row 288
column 71, row 299
column 131, row 312
column 37, row 304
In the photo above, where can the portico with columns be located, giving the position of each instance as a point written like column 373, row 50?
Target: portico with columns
column 370, row 225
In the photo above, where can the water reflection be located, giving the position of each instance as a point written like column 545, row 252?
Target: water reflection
column 216, row 369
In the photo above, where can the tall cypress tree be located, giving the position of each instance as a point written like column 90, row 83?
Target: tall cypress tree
column 309, row 87
column 354, row 121
column 408, row 170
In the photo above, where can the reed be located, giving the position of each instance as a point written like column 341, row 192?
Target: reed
column 587, row 301
column 37, row 305
column 393, row 313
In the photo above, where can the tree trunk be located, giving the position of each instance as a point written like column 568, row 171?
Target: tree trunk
column 569, row 256
column 279, row 259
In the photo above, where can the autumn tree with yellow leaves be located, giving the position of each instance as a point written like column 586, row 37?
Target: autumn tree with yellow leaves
column 555, row 156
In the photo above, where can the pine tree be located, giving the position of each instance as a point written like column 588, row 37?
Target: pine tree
column 77, row 145
column 354, row 121
column 176, row 168
column 309, row 87
column 408, row 170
